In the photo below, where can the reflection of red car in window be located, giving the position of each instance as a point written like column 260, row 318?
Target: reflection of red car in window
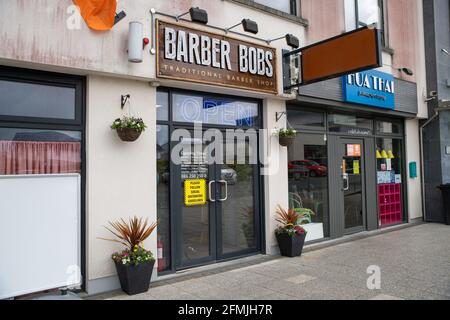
column 314, row 169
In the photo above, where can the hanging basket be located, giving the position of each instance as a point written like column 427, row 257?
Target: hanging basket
column 128, row 134
column 286, row 141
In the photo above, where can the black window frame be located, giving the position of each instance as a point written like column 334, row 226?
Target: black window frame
column 78, row 124
column 292, row 4
column 308, row 128
column 50, row 79
column 399, row 122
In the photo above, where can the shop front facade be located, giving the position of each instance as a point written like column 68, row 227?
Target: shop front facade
column 350, row 163
column 349, row 166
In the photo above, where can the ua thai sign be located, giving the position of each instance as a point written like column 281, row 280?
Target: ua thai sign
column 198, row 56
column 372, row 88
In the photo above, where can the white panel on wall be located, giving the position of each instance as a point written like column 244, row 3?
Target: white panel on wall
column 39, row 233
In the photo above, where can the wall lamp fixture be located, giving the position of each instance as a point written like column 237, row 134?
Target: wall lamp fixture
column 248, row 25
column 197, row 15
column 433, row 95
column 291, row 40
column 445, row 51
column 406, row 71
column 201, row 16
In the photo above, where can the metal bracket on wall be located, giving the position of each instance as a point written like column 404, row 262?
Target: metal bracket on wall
column 124, row 99
column 119, row 16
column 280, row 115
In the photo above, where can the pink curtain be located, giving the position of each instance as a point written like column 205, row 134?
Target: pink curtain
column 36, row 157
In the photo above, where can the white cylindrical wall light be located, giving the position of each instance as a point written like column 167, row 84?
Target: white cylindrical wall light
column 135, row 47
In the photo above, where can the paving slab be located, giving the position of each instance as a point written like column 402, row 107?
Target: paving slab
column 414, row 264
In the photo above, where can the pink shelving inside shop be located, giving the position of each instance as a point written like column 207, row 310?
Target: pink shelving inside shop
column 390, row 209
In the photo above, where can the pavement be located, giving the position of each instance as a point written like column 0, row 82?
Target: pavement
column 407, row 264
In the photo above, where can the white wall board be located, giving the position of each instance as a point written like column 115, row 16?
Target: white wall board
column 40, row 228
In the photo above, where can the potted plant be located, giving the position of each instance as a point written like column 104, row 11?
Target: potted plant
column 286, row 137
column 134, row 264
column 290, row 235
column 128, row 128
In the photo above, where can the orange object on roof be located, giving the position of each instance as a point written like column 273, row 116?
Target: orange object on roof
column 98, row 14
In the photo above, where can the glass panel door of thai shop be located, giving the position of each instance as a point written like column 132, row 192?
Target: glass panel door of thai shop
column 353, row 190
column 217, row 216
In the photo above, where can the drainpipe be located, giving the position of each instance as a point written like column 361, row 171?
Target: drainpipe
column 443, row 106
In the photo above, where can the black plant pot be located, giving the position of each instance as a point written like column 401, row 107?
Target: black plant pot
column 135, row 279
column 290, row 246
column 286, row 141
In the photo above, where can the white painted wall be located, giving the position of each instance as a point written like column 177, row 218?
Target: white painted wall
column 412, row 138
column 413, row 155
column 120, row 175
column 40, row 33
column 276, row 179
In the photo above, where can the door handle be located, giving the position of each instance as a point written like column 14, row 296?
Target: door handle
column 346, row 182
column 225, row 183
column 210, row 191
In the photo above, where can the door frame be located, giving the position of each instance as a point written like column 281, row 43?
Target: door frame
column 258, row 190
column 215, row 213
column 342, row 142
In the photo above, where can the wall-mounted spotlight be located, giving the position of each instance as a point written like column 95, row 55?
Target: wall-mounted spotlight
column 197, row 15
column 406, row 71
column 248, row 25
column 445, row 51
column 291, row 40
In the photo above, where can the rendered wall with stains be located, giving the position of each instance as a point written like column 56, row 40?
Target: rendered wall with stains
column 326, row 18
column 44, row 34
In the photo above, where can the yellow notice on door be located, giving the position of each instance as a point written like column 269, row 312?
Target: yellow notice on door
column 194, row 192
column 356, row 167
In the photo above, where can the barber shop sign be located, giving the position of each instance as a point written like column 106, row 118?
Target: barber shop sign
column 372, row 88
column 199, row 56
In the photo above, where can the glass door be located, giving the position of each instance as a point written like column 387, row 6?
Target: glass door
column 238, row 213
column 215, row 201
column 353, row 190
column 194, row 182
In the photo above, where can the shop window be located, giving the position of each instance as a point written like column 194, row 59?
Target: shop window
column 288, row 6
column 163, row 200
column 31, row 151
column 389, row 180
column 301, row 118
column 211, row 110
column 344, row 123
column 360, row 13
column 162, row 106
column 308, row 182
column 389, row 127
column 36, row 100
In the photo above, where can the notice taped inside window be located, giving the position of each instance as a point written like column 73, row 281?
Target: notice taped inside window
column 194, row 192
